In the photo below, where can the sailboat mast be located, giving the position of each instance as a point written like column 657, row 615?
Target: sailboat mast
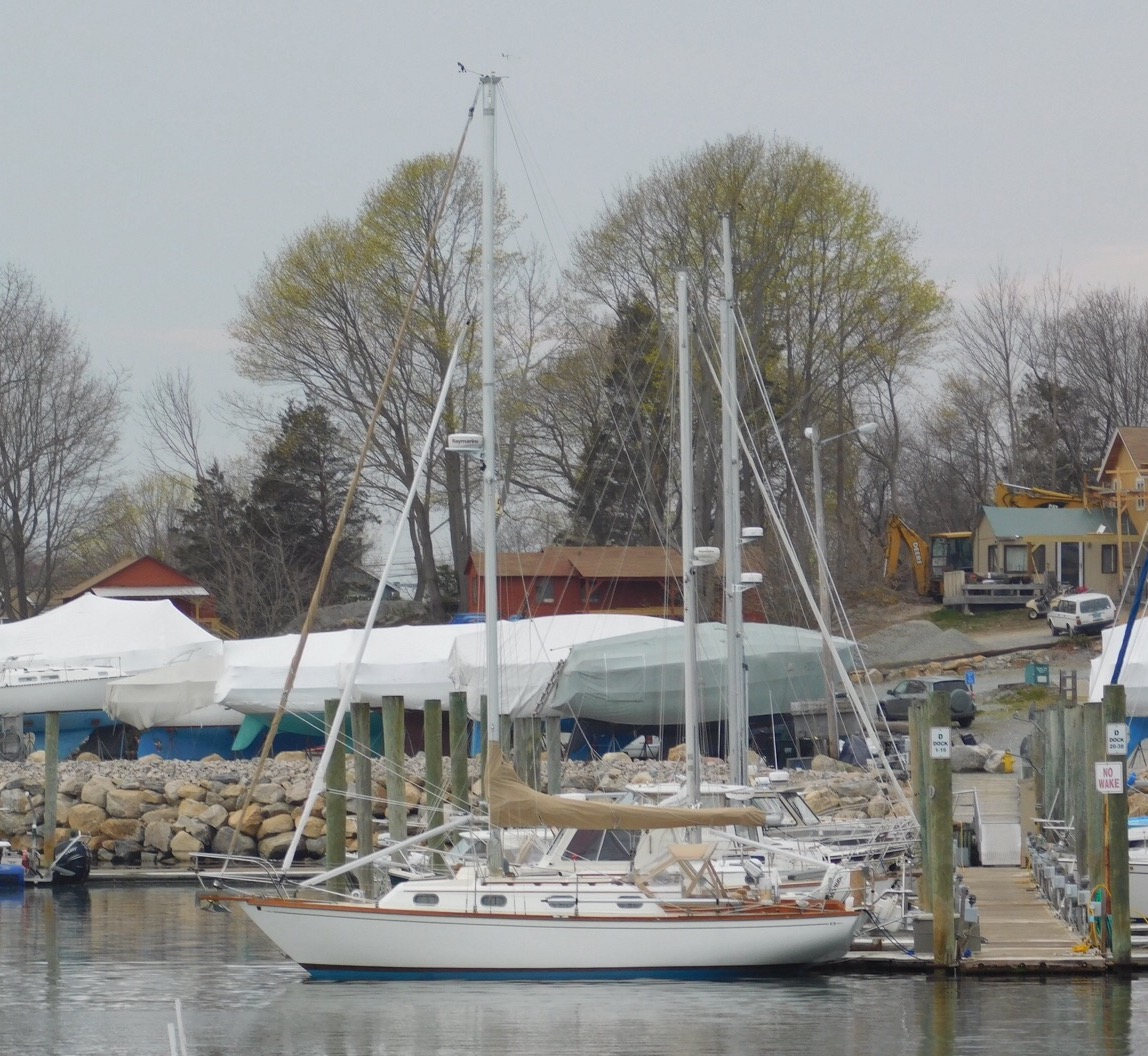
column 493, row 731
column 689, row 590
column 489, row 455
column 737, row 712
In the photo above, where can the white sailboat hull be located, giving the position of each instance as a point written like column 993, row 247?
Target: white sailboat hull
column 589, row 936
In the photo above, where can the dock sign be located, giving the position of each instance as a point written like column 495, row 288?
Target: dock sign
column 1117, row 738
column 940, row 742
column 1110, row 778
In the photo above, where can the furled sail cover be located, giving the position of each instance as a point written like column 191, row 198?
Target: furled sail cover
column 514, row 804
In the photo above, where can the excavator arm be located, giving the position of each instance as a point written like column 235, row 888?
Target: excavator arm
column 1019, row 497
column 901, row 534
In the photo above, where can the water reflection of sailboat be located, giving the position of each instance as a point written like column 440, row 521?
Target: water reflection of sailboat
column 487, row 921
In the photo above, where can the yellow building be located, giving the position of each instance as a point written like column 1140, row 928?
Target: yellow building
column 1123, row 474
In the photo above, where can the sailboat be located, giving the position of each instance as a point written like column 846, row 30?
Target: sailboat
column 679, row 918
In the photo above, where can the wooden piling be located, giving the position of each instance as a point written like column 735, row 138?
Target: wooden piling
column 937, row 788
column 553, row 755
column 51, row 783
column 1116, row 842
column 394, row 751
column 1090, row 850
column 459, row 752
column 336, row 798
column 432, row 750
column 918, row 753
column 364, row 792
column 1054, row 806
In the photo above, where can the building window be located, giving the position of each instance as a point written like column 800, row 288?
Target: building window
column 544, row 591
column 1038, row 558
column 1108, row 559
column 993, row 558
column 1016, row 560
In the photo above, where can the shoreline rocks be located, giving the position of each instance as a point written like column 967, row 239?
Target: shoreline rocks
column 156, row 813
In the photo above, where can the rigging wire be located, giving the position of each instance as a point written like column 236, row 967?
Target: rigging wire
column 353, row 486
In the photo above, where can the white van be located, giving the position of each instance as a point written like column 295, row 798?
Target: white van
column 1079, row 613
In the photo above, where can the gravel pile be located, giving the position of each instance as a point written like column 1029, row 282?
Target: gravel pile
column 915, row 642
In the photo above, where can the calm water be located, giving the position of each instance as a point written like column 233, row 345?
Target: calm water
column 98, row 971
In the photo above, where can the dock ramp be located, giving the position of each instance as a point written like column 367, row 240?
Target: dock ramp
column 991, row 805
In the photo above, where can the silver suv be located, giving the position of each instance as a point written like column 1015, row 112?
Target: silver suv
column 1079, row 613
column 909, row 691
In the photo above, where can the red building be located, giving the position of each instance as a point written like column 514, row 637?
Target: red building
column 641, row 580
column 150, row 579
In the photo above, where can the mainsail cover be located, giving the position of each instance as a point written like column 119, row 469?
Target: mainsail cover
column 514, row 804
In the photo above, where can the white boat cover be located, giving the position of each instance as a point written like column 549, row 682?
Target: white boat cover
column 638, row 679
column 1133, row 674
column 106, row 635
column 530, row 651
column 416, row 663
column 248, row 676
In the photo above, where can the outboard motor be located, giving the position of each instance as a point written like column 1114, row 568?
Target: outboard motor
column 73, row 863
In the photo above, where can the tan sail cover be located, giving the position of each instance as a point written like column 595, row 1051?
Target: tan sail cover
column 514, row 804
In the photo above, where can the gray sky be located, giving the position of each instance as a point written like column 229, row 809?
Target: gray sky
column 153, row 154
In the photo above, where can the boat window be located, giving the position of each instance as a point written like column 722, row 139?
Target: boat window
column 630, row 903
column 775, row 813
column 561, row 901
column 492, row 901
column 596, row 845
column 426, row 900
column 802, row 809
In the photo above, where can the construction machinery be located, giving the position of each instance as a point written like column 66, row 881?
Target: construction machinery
column 1019, row 497
column 930, row 558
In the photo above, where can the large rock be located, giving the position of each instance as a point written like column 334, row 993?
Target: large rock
column 86, row 817
column 969, row 758
column 158, row 836
column 184, row 845
column 121, row 829
column 267, row 793
column 274, row 826
column 95, row 791
column 129, row 802
column 822, row 799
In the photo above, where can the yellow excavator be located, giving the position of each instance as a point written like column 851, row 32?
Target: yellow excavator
column 930, row 558
column 1019, row 497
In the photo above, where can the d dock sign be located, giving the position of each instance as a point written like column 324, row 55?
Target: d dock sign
column 1110, row 778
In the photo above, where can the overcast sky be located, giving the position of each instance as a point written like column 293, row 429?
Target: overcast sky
column 153, row 154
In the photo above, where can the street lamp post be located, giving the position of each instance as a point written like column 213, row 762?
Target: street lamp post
column 813, row 435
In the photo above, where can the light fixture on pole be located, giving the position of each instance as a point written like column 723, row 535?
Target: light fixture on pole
column 813, row 435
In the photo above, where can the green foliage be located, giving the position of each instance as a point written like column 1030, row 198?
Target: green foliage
column 621, row 490
column 260, row 550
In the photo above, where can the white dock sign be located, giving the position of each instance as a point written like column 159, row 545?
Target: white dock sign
column 1117, row 737
column 940, row 742
column 1110, row 778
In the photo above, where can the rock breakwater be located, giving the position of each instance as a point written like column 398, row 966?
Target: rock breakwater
column 157, row 813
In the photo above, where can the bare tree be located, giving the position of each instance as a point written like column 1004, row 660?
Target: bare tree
column 58, row 434
column 995, row 336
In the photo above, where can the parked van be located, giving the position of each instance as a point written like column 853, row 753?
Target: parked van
column 1081, row 613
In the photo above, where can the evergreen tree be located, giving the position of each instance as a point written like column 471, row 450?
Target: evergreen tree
column 620, row 493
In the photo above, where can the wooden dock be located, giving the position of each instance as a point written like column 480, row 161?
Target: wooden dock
column 1020, row 934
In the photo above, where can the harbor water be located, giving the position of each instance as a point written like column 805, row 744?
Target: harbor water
column 99, row 970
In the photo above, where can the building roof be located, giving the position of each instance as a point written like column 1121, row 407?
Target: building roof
column 134, row 572
column 1006, row 522
column 588, row 562
column 1134, row 440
